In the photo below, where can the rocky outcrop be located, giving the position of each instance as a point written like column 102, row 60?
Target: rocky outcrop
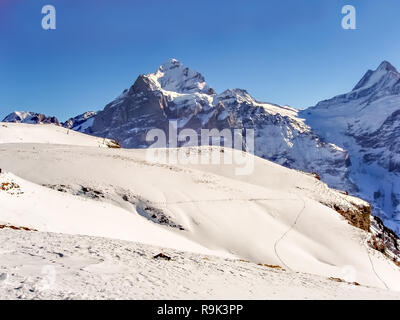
column 359, row 217
column 356, row 211
column 385, row 240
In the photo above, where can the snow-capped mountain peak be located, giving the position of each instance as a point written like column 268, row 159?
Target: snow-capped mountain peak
column 174, row 76
column 385, row 76
column 170, row 64
column 17, row 116
column 387, row 66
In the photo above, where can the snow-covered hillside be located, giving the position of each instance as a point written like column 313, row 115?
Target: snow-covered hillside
column 275, row 216
column 365, row 122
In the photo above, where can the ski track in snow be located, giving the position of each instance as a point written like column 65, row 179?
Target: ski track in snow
column 373, row 268
column 285, row 234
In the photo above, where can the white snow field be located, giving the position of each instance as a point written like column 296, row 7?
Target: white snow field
column 273, row 216
column 38, row 265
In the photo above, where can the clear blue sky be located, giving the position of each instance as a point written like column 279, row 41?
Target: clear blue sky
column 283, row 51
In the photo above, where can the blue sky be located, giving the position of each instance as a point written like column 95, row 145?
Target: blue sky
column 283, row 51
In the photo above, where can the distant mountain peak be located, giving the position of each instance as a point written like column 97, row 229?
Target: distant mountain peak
column 170, row 64
column 384, row 74
column 30, row 117
column 81, row 122
column 386, row 66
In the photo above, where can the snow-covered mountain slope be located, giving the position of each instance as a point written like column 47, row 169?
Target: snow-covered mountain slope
column 30, row 117
column 176, row 93
column 38, row 265
column 365, row 122
column 275, row 216
column 49, row 134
